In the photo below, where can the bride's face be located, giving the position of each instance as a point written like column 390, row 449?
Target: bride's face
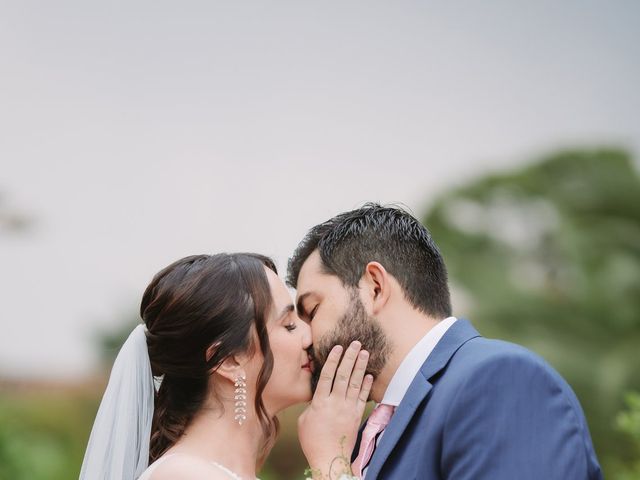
column 289, row 337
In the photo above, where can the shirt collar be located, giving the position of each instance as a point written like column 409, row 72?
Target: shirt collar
column 411, row 364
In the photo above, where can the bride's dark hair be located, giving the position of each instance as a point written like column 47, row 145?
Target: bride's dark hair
column 199, row 302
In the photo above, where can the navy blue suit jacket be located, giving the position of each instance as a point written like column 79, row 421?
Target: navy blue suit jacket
column 485, row 409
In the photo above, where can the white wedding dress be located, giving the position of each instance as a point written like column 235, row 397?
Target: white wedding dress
column 146, row 475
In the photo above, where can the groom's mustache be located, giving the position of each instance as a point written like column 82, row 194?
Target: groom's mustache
column 355, row 324
column 315, row 362
column 318, row 357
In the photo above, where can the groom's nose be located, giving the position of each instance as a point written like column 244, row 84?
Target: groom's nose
column 306, row 336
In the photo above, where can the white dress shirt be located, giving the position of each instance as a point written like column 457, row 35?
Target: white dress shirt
column 410, row 366
column 412, row 363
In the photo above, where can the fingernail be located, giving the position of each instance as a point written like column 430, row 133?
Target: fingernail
column 364, row 354
column 355, row 344
column 337, row 349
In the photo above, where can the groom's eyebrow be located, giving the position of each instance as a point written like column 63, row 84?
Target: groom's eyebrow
column 300, row 304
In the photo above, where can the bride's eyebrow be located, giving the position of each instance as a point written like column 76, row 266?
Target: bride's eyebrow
column 286, row 311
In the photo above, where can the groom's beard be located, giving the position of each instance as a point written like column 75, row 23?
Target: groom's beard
column 354, row 325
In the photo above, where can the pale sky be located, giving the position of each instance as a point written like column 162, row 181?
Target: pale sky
column 139, row 132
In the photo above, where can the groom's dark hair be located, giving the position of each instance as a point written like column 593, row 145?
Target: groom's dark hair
column 385, row 234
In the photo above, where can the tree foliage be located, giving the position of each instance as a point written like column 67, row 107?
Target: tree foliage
column 548, row 256
column 628, row 422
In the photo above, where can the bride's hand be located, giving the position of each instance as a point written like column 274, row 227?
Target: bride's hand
column 329, row 426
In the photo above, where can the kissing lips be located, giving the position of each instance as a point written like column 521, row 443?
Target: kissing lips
column 309, row 366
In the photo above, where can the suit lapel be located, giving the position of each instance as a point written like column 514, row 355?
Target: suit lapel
column 458, row 334
column 415, row 395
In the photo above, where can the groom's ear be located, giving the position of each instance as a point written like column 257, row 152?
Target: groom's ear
column 376, row 285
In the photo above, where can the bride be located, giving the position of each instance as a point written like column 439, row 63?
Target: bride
column 195, row 390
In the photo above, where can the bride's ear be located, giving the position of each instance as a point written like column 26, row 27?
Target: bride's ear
column 231, row 368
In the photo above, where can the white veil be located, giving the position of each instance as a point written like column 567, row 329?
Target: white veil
column 118, row 448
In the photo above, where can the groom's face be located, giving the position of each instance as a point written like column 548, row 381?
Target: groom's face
column 337, row 316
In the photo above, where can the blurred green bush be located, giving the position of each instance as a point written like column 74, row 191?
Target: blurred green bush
column 43, row 433
column 628, row 422
column 548, row 256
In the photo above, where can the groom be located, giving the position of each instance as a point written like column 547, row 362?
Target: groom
column 451, row 403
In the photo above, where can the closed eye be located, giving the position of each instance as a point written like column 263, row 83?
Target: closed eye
column 313, row 312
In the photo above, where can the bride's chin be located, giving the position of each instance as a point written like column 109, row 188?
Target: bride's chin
column 303, row 397
column 307, row 397
column 307, row 392
column 297, row 398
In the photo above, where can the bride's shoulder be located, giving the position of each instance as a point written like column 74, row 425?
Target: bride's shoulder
column 183, row 467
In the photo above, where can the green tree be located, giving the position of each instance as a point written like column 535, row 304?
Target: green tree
column 628, row 422
column 548, row 256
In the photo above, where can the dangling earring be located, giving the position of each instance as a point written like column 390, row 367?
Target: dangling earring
column 241, row 399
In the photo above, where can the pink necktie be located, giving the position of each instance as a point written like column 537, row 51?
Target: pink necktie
column 376, row 423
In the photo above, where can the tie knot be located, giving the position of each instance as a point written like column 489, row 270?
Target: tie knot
column 381, row 414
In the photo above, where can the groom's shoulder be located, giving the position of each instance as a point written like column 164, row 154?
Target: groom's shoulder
column 509, row 367
column 486, row 359
column 482, row 353
column 493, row 348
